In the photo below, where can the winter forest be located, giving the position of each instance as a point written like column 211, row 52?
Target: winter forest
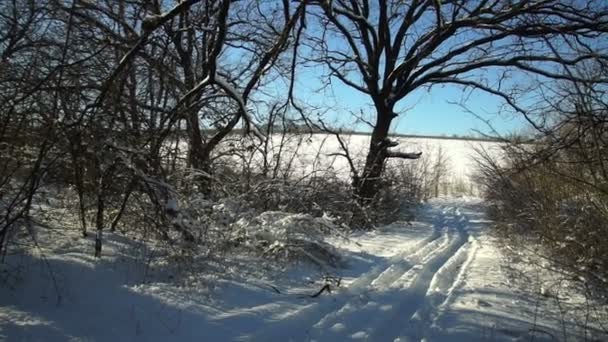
column 184, row 170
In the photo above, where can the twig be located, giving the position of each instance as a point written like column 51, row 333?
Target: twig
column 325, row 287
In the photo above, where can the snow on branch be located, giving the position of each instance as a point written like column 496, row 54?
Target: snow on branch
column 149, row 24
column 233, row 93
column 388, row 143
column 403, row 155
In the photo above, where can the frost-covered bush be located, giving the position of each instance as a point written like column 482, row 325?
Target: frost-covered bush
column 285, row 236
column 553, row 207
column 232, row 224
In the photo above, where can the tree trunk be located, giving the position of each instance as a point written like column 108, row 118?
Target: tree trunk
column 370, row 183
column 199, row 153
column 195, row 145
column 99, row 219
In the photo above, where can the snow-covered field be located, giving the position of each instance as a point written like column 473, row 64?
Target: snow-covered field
column 439, row 278
column 308, row 154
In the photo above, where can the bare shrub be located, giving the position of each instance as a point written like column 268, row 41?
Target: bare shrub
column 550, row 195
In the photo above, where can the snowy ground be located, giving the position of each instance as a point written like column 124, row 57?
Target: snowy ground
column 440, row 278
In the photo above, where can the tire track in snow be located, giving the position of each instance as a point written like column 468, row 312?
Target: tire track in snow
column 369, row 297
column 450, row 275
column 461, row 265
column 360, row 290
column 319, row 314
column 404, row 280
column 415, row 305
column 400, row 262
column 376, row 304
column 440, row 293
column 415, row 256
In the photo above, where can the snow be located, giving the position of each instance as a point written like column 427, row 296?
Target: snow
column 441, row 277
column 306, row 155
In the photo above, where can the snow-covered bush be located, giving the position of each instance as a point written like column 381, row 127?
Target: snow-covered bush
column 557, row 204
column 286, row 236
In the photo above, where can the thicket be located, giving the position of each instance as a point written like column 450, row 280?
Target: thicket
column 151, row 120
column 549, row 196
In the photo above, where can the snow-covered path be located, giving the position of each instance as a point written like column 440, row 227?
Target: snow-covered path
column 439, row 278
column 398, row 299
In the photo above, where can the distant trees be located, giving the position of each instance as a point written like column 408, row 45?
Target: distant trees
column 388, row 49
column 440, row 169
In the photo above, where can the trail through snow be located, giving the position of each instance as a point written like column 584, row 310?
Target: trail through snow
column 400, row 299
column 438, row 278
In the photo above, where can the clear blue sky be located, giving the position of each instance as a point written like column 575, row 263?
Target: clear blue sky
column 434, row 112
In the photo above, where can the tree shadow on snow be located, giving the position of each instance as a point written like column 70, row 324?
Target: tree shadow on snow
column 72, row 295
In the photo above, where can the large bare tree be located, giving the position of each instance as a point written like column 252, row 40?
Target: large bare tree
column 388, row 49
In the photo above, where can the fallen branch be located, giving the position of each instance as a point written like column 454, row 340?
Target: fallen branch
column 403, row 155
column 325, row 287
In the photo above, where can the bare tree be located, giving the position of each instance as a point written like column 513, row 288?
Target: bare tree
column 388, row 49
column 198, row 63
column 440, row 169
column 33, row 66
column 553, row 192
column 107, row 86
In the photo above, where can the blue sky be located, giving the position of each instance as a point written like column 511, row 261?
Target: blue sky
column 425, row 112
column 437, row 112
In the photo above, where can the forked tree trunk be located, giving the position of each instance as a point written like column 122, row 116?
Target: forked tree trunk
column 370, row 182
column 199, row 158
column 195, row 144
